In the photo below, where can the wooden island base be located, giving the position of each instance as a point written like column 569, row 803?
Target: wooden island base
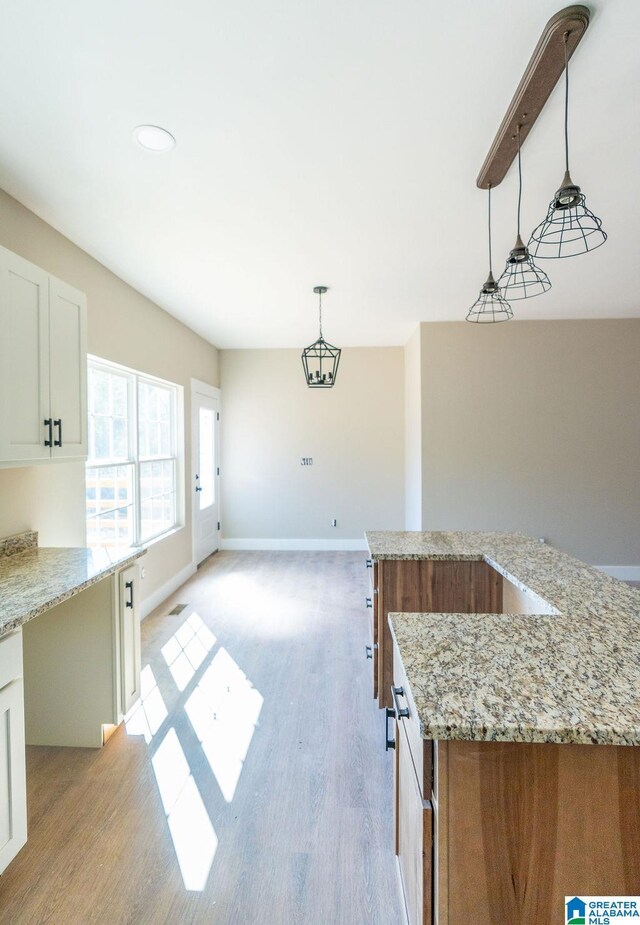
column 492, row 833
column 520, row 826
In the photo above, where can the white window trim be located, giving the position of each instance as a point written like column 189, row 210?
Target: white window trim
column 178, row 438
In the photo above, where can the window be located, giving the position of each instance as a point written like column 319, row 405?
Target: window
column 134, row 460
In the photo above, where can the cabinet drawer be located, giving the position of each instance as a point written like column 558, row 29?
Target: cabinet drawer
column 421, row 749
column 10, row 657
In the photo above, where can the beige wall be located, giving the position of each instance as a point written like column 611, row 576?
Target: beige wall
column 127, row 328
column 535, row 426
column 413, row 432
column 354, row 432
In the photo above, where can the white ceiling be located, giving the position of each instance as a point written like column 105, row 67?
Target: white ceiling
column 324, row 141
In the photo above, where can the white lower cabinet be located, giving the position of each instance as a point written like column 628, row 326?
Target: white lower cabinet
column 78, row 675
column 13, row 783
column 129, row 637
column 82, row 664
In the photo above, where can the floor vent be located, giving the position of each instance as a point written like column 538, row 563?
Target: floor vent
column 177, row 609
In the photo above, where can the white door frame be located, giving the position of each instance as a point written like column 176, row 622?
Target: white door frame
column 208, row 391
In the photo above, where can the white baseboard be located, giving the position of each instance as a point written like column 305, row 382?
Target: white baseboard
column 162, row 593
column 623, row 572
column 313, row 545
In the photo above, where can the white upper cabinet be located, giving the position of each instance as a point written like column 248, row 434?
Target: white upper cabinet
column 68, row 369
column 43, row 365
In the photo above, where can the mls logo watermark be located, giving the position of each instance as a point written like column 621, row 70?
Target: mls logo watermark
column 601, row 910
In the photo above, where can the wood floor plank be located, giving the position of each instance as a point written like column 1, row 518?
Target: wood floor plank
column 306, row 835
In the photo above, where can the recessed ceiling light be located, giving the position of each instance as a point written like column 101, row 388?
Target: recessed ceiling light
column 154, row 138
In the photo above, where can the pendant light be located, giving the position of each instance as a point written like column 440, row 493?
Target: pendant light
column 569, row 228
column 490, row 306
column 320, row 360
column 521, row 278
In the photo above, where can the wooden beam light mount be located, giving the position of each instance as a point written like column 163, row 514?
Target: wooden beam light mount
column 540, row 77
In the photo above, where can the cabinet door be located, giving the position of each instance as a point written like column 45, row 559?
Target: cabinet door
column 68, row 369
column 129, row 637
column 13, row 791
column 414, row 836
column 24, row 359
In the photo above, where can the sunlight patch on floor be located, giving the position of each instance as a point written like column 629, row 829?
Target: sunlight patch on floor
column 278, row 616
column 224, row 709
column 187, row 649
column 149, row 713
column 192, row 833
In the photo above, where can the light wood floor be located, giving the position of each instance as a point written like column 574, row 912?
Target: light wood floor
column 303, row 836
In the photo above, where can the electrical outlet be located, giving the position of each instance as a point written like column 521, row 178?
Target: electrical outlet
column 334, row 522
column 143, row 572
column 306, row 461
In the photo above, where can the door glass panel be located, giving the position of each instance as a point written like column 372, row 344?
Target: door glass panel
column 206, row 461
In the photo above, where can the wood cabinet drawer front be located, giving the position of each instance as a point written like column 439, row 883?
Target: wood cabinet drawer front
column 414, row 845
column 10, row 657
column 421, row 749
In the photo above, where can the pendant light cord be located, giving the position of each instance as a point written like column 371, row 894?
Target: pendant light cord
column 519, row 180
column 320, row 312
column 566, row 101
column 489, row 223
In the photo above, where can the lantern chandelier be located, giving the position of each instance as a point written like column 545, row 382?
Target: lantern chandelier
column 320, row 360
column 569, row 228
column 490, row 306
column 521, row 278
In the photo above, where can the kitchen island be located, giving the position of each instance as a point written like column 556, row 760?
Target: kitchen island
column 517, row 779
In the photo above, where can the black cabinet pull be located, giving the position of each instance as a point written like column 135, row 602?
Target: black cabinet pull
column 388, row 743
column 399, row 711
column 49, row 423
column 369, row 602
column 369, row 563
column 58, row 423
column 369, row 651
column 129, row 586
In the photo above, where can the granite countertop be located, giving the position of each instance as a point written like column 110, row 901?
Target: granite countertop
column 568, row 675
column 37, row 578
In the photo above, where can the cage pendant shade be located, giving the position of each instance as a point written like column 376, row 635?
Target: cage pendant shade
column 521, row 278
column 490, row 306
column 320, row 359
column 570, row 228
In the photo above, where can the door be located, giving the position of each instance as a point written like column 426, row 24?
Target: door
column 68, row 369
column 24, row 359
column 205, row 465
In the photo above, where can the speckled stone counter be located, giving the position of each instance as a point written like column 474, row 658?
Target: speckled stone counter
column 36, row 579
column 570, row 675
